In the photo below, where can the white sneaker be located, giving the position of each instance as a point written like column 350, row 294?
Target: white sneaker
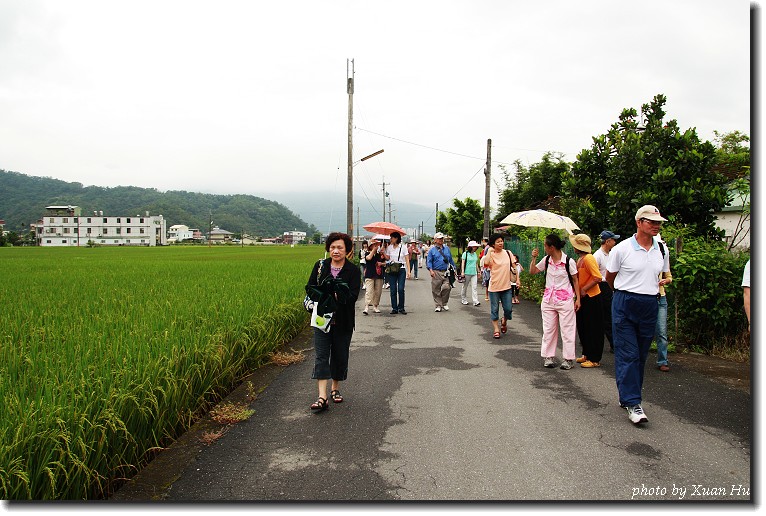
column 438, row 309
column 446, row 308
column 636, row 415
column 464, row 302
column 566, row 365
column 376, row 310
column 476, row 303
column 549, row 362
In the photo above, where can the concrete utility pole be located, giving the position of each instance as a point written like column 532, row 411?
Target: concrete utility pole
column 385, row 194
column 436, row 220
column 486, row 188
column 350, row 183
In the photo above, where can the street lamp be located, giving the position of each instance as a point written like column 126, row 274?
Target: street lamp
column 350, row 194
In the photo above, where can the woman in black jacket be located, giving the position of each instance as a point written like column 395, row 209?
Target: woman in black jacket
column 337, row 286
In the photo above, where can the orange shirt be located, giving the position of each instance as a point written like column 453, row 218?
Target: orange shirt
column 587, row 270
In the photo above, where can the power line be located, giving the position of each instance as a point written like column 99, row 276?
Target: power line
column 419, row 144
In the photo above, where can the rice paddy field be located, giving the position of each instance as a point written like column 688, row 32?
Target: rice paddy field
column 107, row 354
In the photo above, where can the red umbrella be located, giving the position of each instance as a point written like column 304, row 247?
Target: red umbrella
column 384, row 228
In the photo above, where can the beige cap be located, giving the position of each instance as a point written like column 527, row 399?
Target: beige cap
column 649, row 212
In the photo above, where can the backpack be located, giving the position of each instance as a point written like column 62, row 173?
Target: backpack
column 569, row 274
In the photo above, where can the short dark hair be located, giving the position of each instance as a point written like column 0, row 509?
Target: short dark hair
column 396, row 235
column 333, row 237
column 494, row 236
column 555, row 241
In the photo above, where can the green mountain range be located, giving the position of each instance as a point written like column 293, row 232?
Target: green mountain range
column 23, row 200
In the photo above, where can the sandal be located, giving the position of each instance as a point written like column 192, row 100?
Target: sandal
column 496, row 335
column 504, row 325
column 320, row 404
column 336, row 397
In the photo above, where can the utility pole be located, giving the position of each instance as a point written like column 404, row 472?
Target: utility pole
column 436, row 219
column 385, row 194
column 486, row 189
column 350, row 183
column 357, row 223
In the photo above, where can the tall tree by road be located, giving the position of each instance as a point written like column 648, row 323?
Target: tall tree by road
column 645, row 161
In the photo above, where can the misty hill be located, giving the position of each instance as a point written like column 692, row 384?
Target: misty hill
column 23, row 200
column 327, row 210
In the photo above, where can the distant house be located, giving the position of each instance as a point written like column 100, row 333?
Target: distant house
column 220, row 236
column 293, row 237
column 179, row 233
column 734, row 222
column 65, row 226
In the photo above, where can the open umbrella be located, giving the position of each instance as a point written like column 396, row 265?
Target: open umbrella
column 380, row 237
column 540, row 219
column 384, row 228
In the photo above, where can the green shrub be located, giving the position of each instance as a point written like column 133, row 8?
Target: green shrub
column 707, row 289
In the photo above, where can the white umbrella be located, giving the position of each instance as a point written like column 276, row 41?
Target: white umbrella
column 540, row 219
column 380, row 237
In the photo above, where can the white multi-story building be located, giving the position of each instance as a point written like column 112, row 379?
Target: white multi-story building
column 293, row 237
column 65, row 226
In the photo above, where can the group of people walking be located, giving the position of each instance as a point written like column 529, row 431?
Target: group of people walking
column 616, row 292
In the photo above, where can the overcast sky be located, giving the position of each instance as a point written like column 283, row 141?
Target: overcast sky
column 250, row 97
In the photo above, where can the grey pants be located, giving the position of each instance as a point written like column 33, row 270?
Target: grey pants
column 440, row 288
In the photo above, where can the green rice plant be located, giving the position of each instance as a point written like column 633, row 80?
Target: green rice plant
column 107, row 354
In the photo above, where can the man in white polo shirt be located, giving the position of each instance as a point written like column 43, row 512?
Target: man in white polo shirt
column 632, row 271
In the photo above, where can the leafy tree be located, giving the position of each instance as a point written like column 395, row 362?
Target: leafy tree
column 538, row 186
column 654, row 163
column 464, row 220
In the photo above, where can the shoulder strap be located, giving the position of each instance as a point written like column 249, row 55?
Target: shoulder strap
column 514, row 272
column 662, row 249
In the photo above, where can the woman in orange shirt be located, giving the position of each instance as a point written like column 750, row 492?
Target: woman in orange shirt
column 502, row 275
column 589, row 317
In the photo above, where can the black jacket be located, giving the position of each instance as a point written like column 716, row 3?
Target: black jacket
column 345, row 310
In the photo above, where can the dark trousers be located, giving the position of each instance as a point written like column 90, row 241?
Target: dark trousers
column 396, row 282
column 606, row 310
column 634, row 318
column 331, row 352
column 590, row 327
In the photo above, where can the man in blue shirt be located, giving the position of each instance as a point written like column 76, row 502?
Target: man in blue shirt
column 438, row 260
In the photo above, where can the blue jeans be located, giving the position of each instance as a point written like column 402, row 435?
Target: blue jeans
column 506, row 298
column 414, row 266
column 634, row 317
column 331, row 352
column 396, row 282
column 661, row 332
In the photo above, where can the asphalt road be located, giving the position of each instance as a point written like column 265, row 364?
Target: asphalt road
column 437, row 410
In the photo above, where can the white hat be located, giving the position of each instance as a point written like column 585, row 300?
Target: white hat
column 439, row 235
column 649, row 212
column 473, row 243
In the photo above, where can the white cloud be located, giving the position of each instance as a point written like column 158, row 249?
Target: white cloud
column 250, row 97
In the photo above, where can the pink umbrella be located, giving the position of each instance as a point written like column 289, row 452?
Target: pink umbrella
column 384, row 228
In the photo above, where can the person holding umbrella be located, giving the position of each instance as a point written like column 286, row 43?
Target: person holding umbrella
column 561, row 300
column 373, row 277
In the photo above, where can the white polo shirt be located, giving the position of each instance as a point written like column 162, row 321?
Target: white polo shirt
column 637, row 269
column 601, row 259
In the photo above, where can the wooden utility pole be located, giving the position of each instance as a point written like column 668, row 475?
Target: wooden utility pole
column 486, row 188
column 436, row 220
column 350, row 183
